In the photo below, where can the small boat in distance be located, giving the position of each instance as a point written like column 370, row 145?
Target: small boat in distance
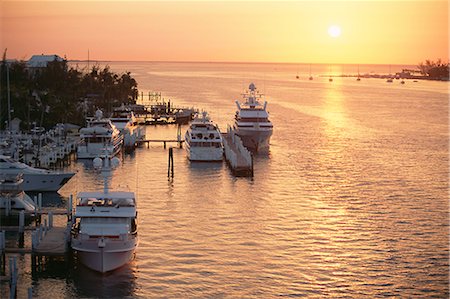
column 310, row 76
column 100, row 136
column 203, row 140
column 104, row 233
column 34, row 179
column 251, row 121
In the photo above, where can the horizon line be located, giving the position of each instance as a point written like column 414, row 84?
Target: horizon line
column 236, row 62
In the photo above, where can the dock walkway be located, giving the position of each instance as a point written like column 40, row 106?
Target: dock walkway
column 236, row 154
column 53, row 243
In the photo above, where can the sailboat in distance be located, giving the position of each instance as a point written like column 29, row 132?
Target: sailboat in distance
column 310, row 76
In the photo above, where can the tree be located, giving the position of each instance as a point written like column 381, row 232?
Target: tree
column 58, row 93
column 435, row 70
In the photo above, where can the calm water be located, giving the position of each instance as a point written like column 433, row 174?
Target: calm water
column 352, row 200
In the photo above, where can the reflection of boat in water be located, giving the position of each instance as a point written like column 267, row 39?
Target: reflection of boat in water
column 252, row 122
column 203, row 140
column 34, row 179
column 12, row 197
column 99, row 136
column 105, row 230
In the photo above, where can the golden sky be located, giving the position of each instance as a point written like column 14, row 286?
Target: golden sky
column 385, row 32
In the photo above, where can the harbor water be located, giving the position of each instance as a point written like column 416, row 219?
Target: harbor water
column 351, row 201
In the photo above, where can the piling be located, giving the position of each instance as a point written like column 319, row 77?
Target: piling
column 170, row 165
column 12, row 277
column 2, row 252
column 180, row 144
column 8, row 206
column 50, row 219
column 69, row 208
column 21, row 221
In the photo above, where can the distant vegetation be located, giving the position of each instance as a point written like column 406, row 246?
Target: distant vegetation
column 435, row 70
column 61, row 94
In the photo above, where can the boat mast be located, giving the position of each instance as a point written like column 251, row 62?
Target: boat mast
column 9, row 97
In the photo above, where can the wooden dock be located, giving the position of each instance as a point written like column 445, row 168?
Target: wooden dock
column 54, row 242
column 164, row 141
column 237, row 156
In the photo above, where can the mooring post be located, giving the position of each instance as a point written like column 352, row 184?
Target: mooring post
column 40, row 202
column 69, row 208
column 50, row 219
column 8, row 206
column 2, row 251
column 170, row 165
column 165, row 144
column 21, row 221
column 13, row 277
column 180, row 144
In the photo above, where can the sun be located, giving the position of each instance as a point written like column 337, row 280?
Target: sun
column 334, row 31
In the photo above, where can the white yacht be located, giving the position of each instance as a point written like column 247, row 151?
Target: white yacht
column 12, row 196
column 203, row 140
column 126, row 122
column 34, row 179
column 252, row 122
column 104, row 233
column 100, row 136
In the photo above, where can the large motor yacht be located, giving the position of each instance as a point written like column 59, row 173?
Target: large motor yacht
column 34, row 179
column 104, row 233
column 99, row 137
column 203, row 140
column 125, row 121
column 252, row 122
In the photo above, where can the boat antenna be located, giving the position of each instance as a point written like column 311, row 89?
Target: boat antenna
column 88, row 61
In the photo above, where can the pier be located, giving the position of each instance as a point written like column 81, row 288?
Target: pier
column 237, row 156
column 164, row 141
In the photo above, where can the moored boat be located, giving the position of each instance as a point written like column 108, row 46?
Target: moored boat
column 252, row 122
column 104, row 233
column 34, row 179
column 203, row 140
column 126, row 122
column 99, row 137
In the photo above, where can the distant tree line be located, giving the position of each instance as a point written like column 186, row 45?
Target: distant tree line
column 59, row 93
column 437, row 70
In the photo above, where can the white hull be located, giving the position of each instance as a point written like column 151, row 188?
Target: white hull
column 93, row 150
column 16, row 202
column 114, row 255
column 40, row 180
column 204, row 153
column 256, row 140
column 45, row 183
column 131, row 136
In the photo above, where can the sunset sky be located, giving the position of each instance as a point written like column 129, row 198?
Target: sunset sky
column 385, row 32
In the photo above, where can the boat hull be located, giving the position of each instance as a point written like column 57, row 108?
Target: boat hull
column 113, row 255
column 92, row 150
column 255, row 140
column 50, row 182
column 205, row 154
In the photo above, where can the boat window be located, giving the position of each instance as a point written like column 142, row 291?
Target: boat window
column 254, row 119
